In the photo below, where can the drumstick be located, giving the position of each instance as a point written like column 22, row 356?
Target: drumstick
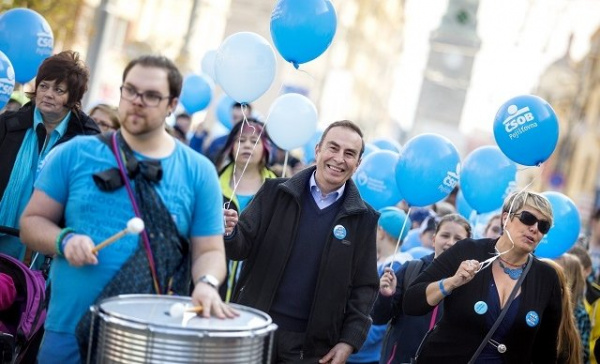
column 134, row 226
column 178, row 309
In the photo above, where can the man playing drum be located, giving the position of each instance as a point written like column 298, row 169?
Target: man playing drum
column 172, row 188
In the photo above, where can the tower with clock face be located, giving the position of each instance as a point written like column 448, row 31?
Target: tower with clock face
column 453, row 46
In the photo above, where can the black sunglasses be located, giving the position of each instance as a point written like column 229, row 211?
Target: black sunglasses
column 529, row 219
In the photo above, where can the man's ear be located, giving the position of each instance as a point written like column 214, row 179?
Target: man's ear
column 173, row 104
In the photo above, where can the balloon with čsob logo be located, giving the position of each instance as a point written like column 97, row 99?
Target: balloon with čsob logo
column 428, row 169
column 7, row 79
column 196, row 93
column 526, row 129
column 376, row 181
column 26, row 39
column 487, row 176
column 245, row 66
column 292, row 121
column 565, row 228
column 302, row 29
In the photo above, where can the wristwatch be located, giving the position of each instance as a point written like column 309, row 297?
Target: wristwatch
column 210, row 280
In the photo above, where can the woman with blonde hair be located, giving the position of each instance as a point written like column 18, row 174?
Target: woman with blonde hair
column 501, row 304
column 106, row 117
column 574, row 277
column 570, row 348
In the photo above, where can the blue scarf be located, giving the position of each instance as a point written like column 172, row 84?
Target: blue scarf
column 20, row 184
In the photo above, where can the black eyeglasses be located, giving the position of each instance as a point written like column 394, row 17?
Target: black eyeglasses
column 149, row 98
column 529, row 219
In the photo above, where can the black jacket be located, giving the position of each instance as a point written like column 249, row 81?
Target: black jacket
column 14, row 125
column 460, row 330
column 347, row 282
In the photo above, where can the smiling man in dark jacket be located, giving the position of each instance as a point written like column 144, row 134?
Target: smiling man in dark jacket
column 309, row 247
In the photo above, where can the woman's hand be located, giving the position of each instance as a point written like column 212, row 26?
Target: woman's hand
column 387, row 283
column 230, row 217
column 464, row 274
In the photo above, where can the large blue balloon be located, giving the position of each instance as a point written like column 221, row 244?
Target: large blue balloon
column 428, row 169
column 196, row 93
column 370, row 148
column 7, row 79
column 526, row 129
column 302, row 29
column 224, row 114
column 26, row 39
column 376, row 180
column 462, row 206
column 487, row 176
column 565, row 229
column 387, row 144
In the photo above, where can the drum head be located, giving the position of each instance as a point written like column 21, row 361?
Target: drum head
column 154, row 310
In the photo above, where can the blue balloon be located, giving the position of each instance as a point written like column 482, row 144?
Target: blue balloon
column 369, row 148
column 487, row 177
column 419, row 252
column 224, row 107
column 565, row 228
column 309, row 147
column 376, row 181
column 26, row 39
column 387, row 144
column 302, row 29
column 7, row 79
column 196, row 93
column 428, row 169
column 462, row 206
column 526, row 129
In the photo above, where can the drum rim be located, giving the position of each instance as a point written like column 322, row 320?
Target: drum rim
column 268, row 321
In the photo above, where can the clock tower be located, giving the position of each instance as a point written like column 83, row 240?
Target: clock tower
column 453, row 46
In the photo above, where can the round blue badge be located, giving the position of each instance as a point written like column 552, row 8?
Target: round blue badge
column 480, row 307
column 532, row 318
column 339, row 232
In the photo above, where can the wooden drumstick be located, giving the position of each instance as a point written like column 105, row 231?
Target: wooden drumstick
column 134, row 226
column 178, row 309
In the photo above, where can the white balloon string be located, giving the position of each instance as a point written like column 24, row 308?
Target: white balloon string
column 285, row 161
column 486, row 263
column 400, row 238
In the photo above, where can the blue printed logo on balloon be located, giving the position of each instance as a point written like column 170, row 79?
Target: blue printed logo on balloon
column 7, row 79
column 526, row 130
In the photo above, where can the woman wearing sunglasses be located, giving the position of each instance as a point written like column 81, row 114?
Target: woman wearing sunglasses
column 475, row 279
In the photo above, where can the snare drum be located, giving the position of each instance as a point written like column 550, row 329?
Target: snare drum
column 139, row 329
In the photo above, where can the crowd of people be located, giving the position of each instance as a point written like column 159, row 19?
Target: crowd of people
column 222, row 226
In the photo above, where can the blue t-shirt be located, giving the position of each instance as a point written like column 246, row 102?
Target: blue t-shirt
column 189, row 188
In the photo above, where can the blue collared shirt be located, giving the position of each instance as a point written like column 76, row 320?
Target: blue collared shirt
column 324, row 200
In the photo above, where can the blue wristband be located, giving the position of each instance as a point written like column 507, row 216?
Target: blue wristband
column 64, row 242
column 444, row 292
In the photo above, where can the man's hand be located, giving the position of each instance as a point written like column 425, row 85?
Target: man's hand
column 338, row 354
column 231, row 219
column 78, row 251
column 211, row 302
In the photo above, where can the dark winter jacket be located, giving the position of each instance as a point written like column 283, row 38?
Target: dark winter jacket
column 347, row 280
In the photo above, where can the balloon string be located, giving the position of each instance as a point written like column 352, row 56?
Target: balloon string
column 486, row 263
column 400, row 238
column 285, row 162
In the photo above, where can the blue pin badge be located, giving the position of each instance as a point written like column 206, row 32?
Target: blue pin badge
column 532, row 318
column 339, row 232
column 480, row 307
